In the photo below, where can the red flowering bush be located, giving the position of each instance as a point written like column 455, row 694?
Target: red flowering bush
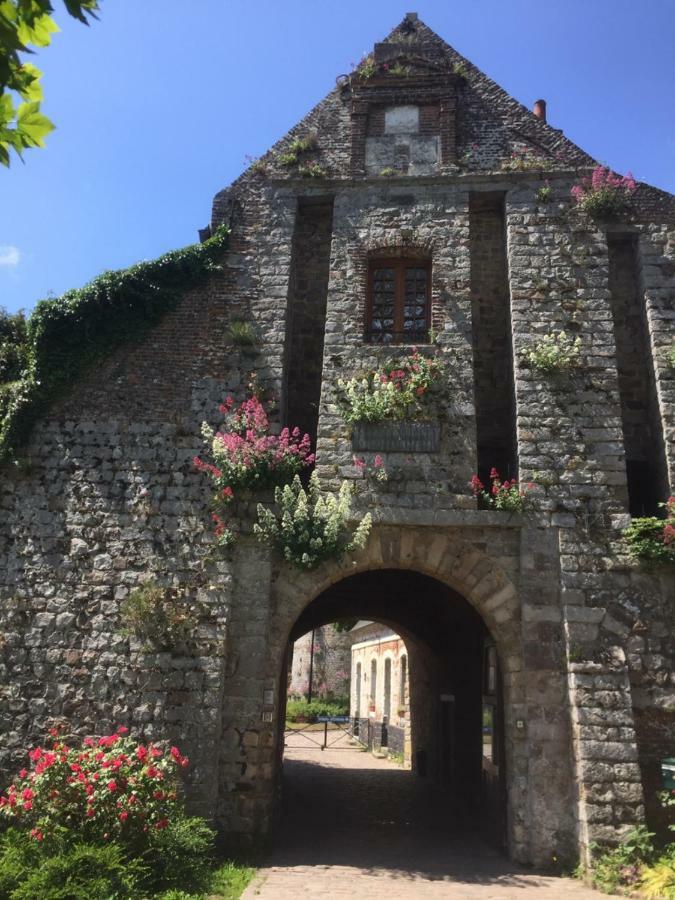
column 604, row 195
column 508, row 495
column 109, row 788
column 243, row 454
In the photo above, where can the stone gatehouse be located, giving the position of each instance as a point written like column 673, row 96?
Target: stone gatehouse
column 409, row 210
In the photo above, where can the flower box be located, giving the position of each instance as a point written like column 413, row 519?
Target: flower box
column 397, row 437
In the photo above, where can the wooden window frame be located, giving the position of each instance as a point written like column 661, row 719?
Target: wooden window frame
column 399, row 264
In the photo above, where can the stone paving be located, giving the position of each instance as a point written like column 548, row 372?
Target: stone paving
column 354, row 825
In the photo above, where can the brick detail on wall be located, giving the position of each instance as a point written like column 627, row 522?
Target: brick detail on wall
column 642, row 431
column 491, row 329
column 307, row 313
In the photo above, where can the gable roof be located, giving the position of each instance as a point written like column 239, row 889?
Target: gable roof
column 488, row 118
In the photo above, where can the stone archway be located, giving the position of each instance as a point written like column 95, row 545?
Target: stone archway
column 517, row 606
column 466, row 571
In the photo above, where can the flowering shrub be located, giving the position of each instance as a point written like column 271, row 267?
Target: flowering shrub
column 507, row 495
column 604, row 195
column 651, row 538
column 109, row 788
column 400, row 391
column 376, row 470
column 309, row 526
column 526, row 161
column 244, row 455
column 554, row 352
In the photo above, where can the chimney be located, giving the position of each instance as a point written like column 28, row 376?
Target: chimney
column 539, row 109
column 411, row 17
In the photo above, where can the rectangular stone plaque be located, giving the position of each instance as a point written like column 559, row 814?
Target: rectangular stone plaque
column 397, row 437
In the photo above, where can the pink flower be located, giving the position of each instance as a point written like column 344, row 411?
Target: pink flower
column 112, row 785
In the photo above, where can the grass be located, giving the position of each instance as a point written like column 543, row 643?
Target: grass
column 231, row 879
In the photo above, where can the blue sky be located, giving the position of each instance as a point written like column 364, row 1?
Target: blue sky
column 158, row 103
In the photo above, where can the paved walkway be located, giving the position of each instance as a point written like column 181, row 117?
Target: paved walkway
column 355, row 826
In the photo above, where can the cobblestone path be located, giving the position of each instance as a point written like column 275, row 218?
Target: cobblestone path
column 353, row 825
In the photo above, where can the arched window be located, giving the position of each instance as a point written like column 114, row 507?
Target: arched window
column 373, row 681
column 386, row 706
column 403, row 681
column 399, row 301
column 358, row 690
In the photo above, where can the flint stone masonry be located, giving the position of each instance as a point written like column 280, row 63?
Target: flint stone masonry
column 109, row 498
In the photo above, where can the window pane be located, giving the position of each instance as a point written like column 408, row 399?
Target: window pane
column 415, row 302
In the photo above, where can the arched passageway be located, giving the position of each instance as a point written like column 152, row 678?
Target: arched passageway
column 457, row 775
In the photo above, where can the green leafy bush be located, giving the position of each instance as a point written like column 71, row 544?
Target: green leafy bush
column 158, row 616
column 83, row 872
column 179, row 855
column 554, row 353
column 13, row 346
column 309, row 526
column 620, row 867
column 651, row 538
column 69, row 335
column 308, row 710
column 403, row 389
column 242, row 334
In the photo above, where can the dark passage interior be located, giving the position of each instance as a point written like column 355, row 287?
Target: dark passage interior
column 457, row 776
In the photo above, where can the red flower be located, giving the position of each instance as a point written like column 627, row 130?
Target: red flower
column 112, row 785
column 123, row 816
column 122, row 729
column 162, row 823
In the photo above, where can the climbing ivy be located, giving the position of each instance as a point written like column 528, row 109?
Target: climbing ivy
column 69, row 335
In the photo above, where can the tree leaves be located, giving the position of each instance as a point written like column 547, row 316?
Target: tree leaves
column 25, row 24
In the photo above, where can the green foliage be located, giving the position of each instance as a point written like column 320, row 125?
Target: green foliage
column 398, row 70
column 460, row 69
column 76, row 871
column 367, row 68
column 544, row 194
column 554, row 353
column 658, row 880
column 312, row 170
column 242, row 334
column 387, row 172
column 621, row 867
column 402, row 390
column 158, row 616
column 13, row 346
column 309, row 526
column 670, row 357
column 230, row 879
column 25, row 24
column 179, row 855
column 652, row 539
column 72, row 334
column 298, row 146
column 525, row 161
column 298, row 710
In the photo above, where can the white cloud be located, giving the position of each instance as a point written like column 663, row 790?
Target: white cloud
column 9, row 256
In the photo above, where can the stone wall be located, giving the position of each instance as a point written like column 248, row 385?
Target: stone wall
column 329, row 669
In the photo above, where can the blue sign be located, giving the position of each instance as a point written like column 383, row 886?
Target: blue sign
column 339, row 719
